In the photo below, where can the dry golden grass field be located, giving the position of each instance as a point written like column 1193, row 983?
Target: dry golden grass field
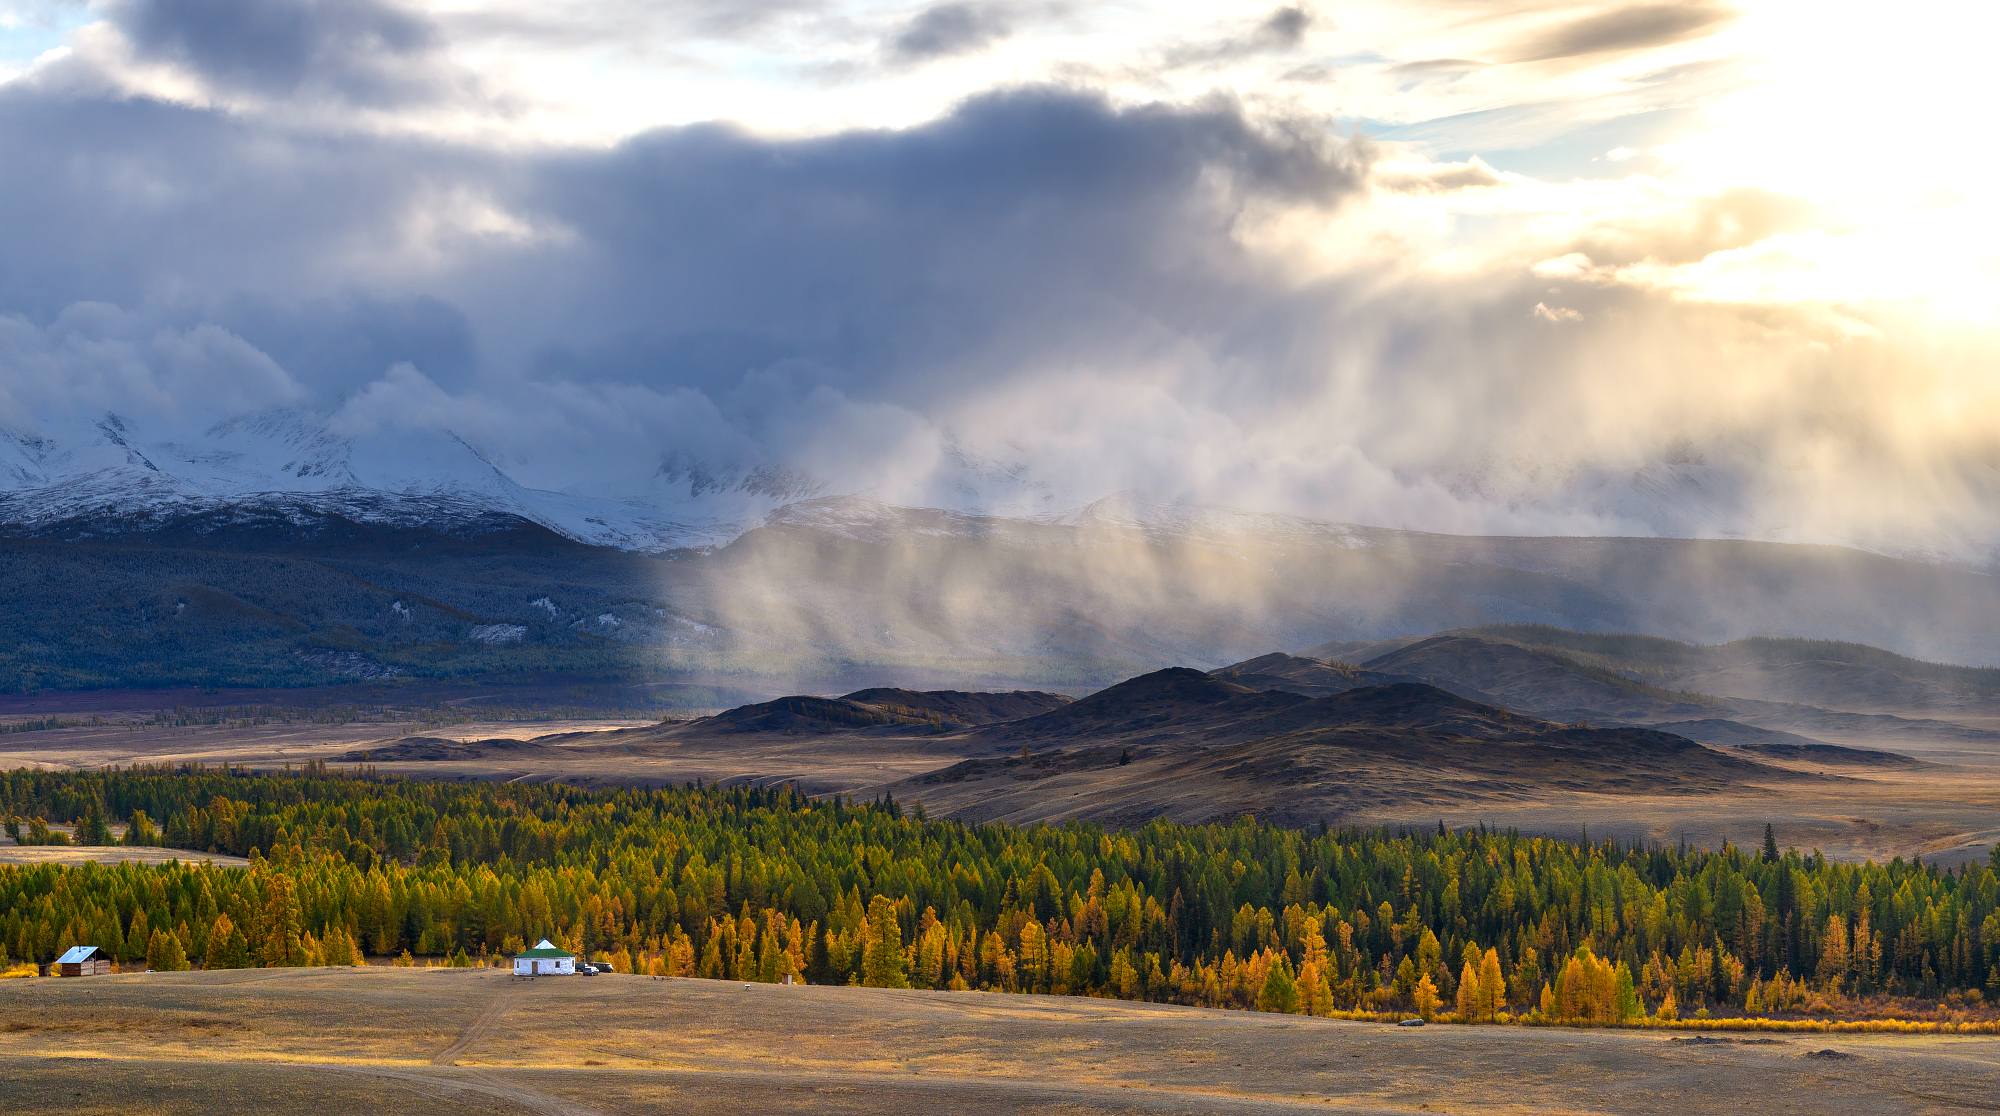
column 1944, row 813
column 58, row 854
column 447, row 1041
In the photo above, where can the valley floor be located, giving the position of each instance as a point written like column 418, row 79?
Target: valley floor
column 1946, row 814
column 447, row 1041
column 263, row 747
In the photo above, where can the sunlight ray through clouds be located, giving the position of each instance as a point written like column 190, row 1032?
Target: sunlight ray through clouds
column 1455, row 265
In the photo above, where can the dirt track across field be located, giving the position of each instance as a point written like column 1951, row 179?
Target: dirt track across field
column 479, row 1028
column 330, row 1041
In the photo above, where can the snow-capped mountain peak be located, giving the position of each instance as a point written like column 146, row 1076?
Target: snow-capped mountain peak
column 108, row 476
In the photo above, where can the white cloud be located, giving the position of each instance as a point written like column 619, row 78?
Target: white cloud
column 94, row 358
column 1585, row 238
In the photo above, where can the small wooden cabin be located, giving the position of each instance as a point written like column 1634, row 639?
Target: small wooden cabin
column 84, row 961
column 546, row 959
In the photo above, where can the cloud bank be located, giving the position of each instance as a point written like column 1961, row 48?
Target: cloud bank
column 1041, row 293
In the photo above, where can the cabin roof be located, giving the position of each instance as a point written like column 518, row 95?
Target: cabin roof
column 545, row 948
column 77, row 955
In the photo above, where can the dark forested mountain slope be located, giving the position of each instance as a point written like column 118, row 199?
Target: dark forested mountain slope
column 834, row 595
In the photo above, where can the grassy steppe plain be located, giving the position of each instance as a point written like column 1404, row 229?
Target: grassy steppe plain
column 442, row 1042
column 1943, row 813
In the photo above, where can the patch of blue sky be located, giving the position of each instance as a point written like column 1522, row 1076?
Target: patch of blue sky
column 1546, row 141
column 32, row 28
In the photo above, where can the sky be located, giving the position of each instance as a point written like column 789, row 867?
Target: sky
column 1697, row 269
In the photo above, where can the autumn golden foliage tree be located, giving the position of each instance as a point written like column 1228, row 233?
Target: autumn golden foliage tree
column 763, row 883
column 1424, row 997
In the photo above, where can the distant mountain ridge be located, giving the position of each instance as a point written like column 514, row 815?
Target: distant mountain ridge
column 1911, row 707
column 839, row 593
column 728, row 572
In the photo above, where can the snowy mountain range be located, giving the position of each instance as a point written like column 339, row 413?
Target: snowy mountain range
column 118, row 474
column 282, row 552
column 107, row 478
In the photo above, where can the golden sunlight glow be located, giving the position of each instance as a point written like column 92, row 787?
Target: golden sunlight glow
column 1868, row 118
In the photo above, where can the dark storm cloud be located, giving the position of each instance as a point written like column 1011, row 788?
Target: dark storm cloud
column 122, row 200
column 340, row 343
column 1282, row 30
column 1025, row 228
column 1632, row 27
column 361, row 52
column 949, row 29
column 1025, row 225
column 186, row 219
column 1154, row 297
column 1286, row 27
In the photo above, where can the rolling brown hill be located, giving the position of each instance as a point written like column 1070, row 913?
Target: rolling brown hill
column 1208, row 748
column 1178, row 743
column 960, row 707
column 1194, row 748
column 1788, row 692
column 1824, row 673
column 1543, row 683
column 935, row 710
column 1314, row 677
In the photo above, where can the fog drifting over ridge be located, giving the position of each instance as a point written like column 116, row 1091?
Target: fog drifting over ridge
column 1500, row 280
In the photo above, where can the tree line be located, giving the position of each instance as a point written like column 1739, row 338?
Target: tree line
column 758, row 884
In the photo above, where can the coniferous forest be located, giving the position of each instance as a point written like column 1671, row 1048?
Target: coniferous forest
column 757, row 884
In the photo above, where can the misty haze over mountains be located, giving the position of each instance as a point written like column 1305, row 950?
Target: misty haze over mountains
column 333, row 334
column 248, row 258
column 835, row 593
column 115, row 473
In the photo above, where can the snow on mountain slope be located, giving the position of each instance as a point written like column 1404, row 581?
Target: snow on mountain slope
column 844, row 578
column 109, row 476
column 116, row 473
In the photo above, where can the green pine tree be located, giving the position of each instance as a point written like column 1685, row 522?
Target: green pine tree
column 282, row 942
column 1771, row 844
column 883, row 965
column 338, row 947
column 1625, row 998
column 174, row 958
column 227, row 947
column 1280, row 992
column 136, row 937
column 819, row 968
column 164, row 953
column 93, row 829
column 140, row 832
